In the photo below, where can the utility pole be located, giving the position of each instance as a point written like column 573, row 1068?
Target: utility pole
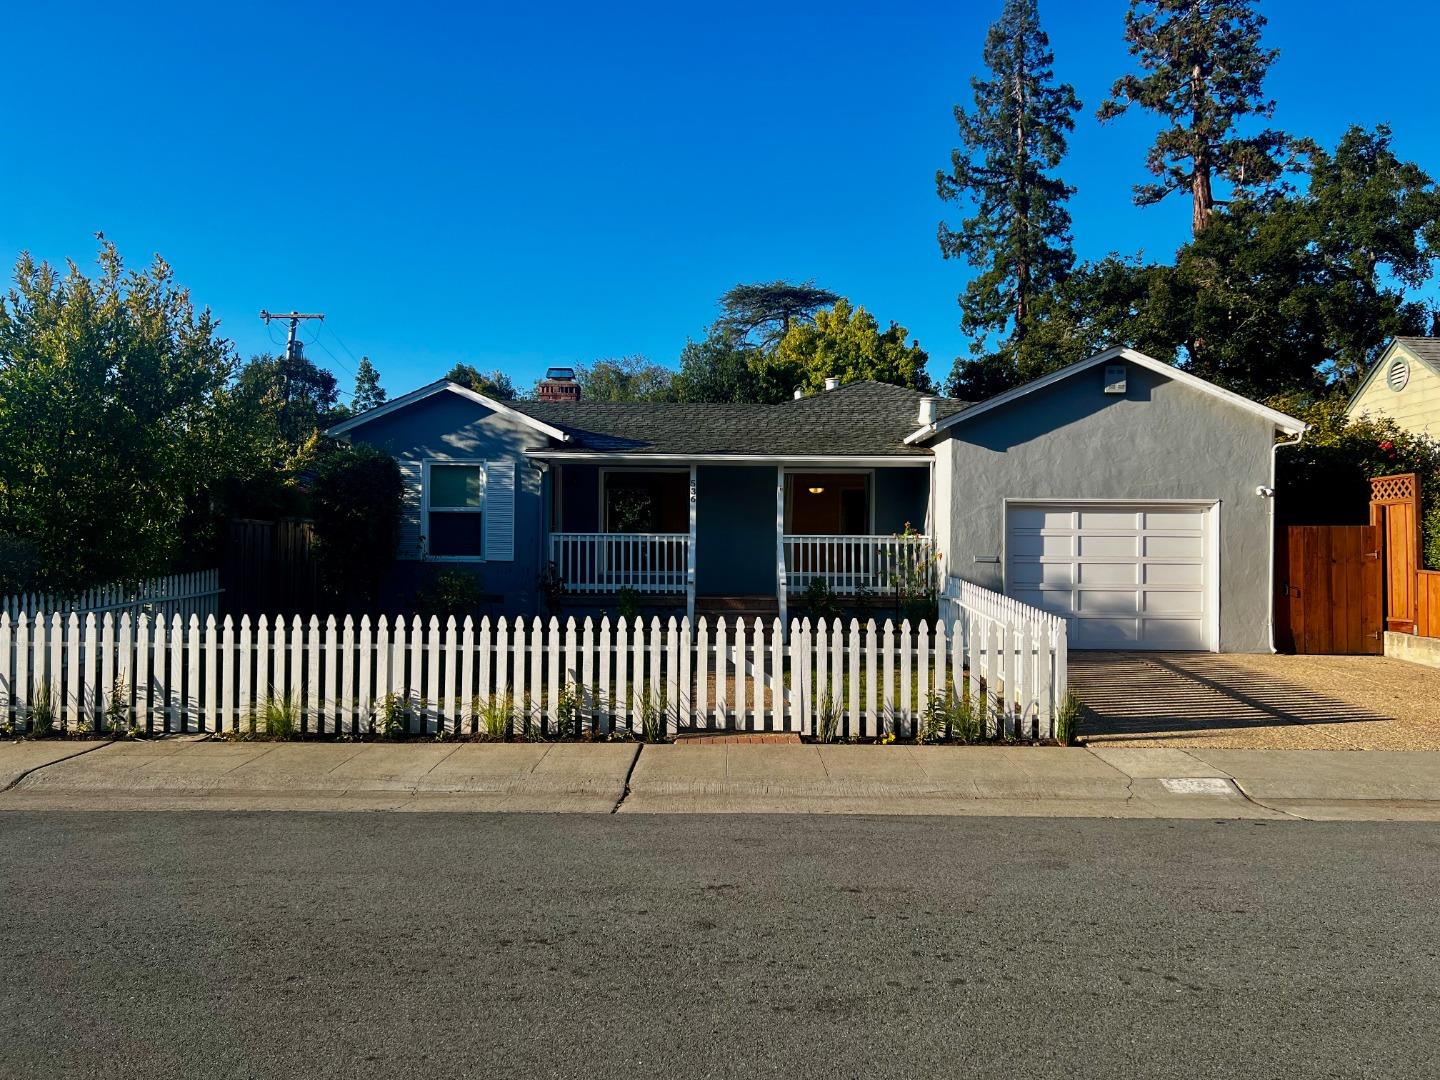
column 292, row 343
column 293, row 353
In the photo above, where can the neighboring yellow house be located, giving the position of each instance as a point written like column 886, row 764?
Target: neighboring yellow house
column 1405, row 386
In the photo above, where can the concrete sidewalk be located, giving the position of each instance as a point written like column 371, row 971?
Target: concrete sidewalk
column 195, row 773
column 188, row 773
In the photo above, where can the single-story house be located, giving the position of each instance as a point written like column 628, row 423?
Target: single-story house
column 1404, row 385
column 1120, row 492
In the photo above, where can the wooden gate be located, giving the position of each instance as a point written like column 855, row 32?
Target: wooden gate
column 1395, row 510
column 1330, row 590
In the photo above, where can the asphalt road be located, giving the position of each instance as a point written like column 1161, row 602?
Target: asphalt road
column 204, row 945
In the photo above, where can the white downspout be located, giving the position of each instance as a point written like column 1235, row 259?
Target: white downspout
column 1270, row 569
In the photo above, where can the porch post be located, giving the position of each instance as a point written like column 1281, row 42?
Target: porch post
column 780, row 596
column 690, row 557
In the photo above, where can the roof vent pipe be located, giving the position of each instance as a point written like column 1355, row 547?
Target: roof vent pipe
column 832, row 382
column 928, row 411
column 799, row 393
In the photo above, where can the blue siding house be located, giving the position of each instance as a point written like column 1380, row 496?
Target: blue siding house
column 1120, row 492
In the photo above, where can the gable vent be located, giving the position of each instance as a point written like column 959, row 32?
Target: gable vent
column 1398, row 375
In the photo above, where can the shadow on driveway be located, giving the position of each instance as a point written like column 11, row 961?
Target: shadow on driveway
column 1180, row 696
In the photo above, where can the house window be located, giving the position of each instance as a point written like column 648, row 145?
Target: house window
column 456, row 498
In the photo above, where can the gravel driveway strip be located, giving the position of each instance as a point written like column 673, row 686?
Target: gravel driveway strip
column 1257, row 701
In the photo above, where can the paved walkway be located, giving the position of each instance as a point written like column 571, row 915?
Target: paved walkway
column 193, row 773
column 1254, row 701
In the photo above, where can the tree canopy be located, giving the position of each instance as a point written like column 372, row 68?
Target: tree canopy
column 116, row 418
column 846, row 343
column 626, row 378
column 761, row 314
column 368, row 391
column 1202, row 72
column 1011, row 141
column 493, row 384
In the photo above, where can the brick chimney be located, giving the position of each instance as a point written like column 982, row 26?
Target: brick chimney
column 559, row 385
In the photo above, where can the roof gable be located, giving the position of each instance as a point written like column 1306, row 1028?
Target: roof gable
column 442, row 386
column 1280, row 420
column 1422, row 350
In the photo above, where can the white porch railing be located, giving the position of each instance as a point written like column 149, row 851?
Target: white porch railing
column 853, row 564
column 1019, row 649
column 646, row 563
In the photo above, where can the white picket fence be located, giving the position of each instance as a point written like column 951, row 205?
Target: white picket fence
column 1028, row 637
column 194, row 675
column 163, row 597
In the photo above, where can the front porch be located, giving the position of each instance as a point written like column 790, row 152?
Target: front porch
column 714, row 532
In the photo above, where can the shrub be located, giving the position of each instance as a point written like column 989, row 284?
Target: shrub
column 552, row 587
column 119, row 717
column 950, row 714
column 450, row 592
column 392, row 719
column 1325, row 480
column 567, row 714
column 356, row 499
column 627, row 604
column 820, row 601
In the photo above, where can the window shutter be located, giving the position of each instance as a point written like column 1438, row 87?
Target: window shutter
column 500, row 511
column 412, row 544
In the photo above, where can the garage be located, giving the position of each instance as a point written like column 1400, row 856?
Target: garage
column 1123, row 576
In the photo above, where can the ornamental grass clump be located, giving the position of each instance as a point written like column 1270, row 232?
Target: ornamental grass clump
column 494, row 717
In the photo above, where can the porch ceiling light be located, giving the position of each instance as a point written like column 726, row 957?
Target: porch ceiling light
column 817, row 490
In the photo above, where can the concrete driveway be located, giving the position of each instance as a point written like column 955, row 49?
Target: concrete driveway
column 1257, row 701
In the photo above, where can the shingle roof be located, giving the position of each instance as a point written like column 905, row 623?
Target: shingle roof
column 859, row 419
column 1426, row 348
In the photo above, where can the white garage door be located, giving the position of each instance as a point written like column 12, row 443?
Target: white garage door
column 1124, row 577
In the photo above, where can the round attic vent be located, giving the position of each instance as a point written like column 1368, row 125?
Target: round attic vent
column 1398, row 375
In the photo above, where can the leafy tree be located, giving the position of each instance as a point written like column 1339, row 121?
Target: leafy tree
column 1325, row 480
column 1284, row 292
column 116, row 422
column 626, row 378
column 368, row 391
column 1011, row 143
column 843, row 342
column 291, row 394
column 1202, row 71
column 762, row 314
column 356, row 498
column 717, row 369
column 494, row 384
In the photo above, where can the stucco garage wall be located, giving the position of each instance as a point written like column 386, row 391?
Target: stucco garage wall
column 1160, row 440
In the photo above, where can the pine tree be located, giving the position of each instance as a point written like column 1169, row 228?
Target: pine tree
column 1202, row 71
column 368, row 391
column 1011, row 143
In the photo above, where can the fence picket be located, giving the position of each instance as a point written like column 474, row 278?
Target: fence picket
column 780, row 718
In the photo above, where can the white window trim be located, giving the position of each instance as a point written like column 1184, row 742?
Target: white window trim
column 484, row 468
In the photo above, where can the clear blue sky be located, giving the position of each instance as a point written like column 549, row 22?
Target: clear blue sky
column 569, row 182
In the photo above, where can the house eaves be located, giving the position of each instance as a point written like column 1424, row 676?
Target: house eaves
column 1285, row 423
column 439, row 386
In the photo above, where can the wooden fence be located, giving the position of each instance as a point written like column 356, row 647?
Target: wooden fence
column 177, row 675
column 163, row 597
column 1427, row 621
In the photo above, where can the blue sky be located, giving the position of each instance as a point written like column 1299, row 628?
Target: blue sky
column 519, row 187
